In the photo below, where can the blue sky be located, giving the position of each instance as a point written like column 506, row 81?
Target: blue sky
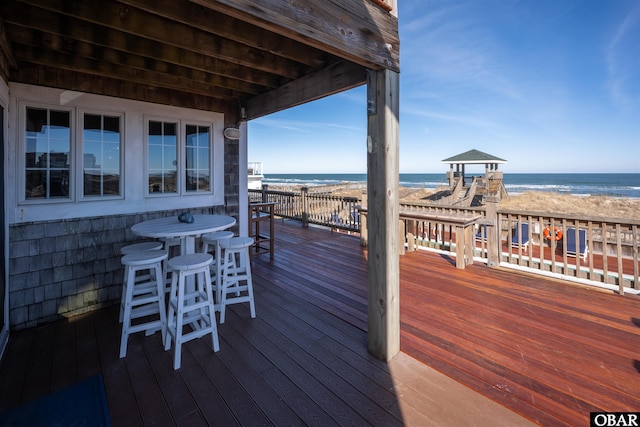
column 548, row 85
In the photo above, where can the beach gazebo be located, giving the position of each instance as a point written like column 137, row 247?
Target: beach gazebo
column 465, row 188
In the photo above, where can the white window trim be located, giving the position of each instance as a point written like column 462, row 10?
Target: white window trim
column 22, row 149
column 215, row 169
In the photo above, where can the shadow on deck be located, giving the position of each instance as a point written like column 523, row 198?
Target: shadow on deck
column 548, row 350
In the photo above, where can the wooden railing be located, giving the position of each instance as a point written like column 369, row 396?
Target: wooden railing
column 594, row 249
column 599, row 250
column 337, row 212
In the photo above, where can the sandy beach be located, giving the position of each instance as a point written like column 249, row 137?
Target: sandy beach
column 543, row 202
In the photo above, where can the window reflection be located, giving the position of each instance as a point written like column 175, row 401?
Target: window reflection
column 101, row 151
column 197, row 154
column 163, row 157
column 47, row 153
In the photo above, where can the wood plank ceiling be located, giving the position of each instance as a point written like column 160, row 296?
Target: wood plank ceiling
column 219, row 55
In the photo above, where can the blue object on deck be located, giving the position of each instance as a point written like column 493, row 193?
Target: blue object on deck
column 521, row 236
column 482, row 233
column 82, row 404
column 576, row 247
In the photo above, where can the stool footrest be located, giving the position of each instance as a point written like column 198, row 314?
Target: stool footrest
column 142, row 311
column 145, row 326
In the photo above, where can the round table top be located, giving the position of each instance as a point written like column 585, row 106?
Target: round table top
column 171, row 227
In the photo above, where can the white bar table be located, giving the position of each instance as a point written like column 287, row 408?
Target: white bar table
column 168, row 227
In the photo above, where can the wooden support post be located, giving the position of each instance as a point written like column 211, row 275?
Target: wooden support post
column 493, row 232
column 382, row 191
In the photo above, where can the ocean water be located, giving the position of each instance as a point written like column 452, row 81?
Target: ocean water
column 625, row 185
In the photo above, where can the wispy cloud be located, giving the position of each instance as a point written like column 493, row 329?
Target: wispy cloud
column 453, row 45
column 304, row 126
column 624, row 71
column 466, row 120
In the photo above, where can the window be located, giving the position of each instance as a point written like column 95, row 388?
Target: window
column 163, row 157
column 179, row 158
column 47, row 153
column 101, row 146
column 197, row 155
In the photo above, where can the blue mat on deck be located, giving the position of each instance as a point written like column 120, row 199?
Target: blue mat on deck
column 82, row 404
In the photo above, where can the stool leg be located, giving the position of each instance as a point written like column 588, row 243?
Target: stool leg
column 177, row 354
column 252, row 305
column 171, row 316
column 227, row 278
column 212, row 312
column 126, row 319
column 124, row 293
column 218, row 268
column 160, row 285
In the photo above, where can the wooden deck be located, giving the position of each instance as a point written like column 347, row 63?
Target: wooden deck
column 500, row 341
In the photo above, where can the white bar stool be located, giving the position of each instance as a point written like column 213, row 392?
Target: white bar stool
column 196, row 308
column 213, row 239
column 130, row 249
column 142, row 298
column 235, row 272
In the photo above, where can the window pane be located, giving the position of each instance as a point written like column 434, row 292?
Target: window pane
column 169, row 161
column 36, row 184
column 198, row 171
column 60, row 120
column 191, row 181
column 92, row 122
column 203, row 159
column 101, row 150
column 170, row 130
column 111, row 157
column 155, row 157
column 163, row 157
column 92, row 154
column 155, row 129
column 36, row 119
column 59, row 182
column 191, row 137
column 170, row 185
column 47, row 153
column 92, row 180
column 111, row 182
column 112, row 125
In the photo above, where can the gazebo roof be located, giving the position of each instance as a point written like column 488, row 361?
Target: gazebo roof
column 474, row 157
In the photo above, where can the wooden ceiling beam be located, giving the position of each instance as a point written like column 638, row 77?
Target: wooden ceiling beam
column 81, row 82
column 211, row 21
column 142, row 24
column 5, row 45
column 56, row 47
column 141, row 49
column 333, row 79
column 360, row 32
column 105, row 69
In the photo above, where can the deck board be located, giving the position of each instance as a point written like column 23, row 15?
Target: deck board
column 479, row 346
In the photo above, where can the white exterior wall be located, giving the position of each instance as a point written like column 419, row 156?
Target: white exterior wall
column 133, row 169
